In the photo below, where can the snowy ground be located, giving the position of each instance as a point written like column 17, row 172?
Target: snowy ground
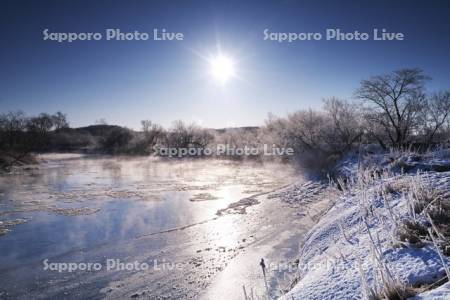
column 357, row 250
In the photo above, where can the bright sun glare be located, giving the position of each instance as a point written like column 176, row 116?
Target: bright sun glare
column 222, row 68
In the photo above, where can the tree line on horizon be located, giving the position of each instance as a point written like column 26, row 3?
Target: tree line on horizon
column 392, row 110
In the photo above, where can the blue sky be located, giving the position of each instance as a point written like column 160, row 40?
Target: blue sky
column 127, row 81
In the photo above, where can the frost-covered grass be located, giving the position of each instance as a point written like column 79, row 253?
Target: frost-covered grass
column 387, row 236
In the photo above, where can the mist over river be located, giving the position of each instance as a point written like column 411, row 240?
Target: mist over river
column 185, row 219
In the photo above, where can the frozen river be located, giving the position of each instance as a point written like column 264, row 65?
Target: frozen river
column 147, row 228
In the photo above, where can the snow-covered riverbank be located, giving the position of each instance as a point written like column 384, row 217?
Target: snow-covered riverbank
column 375, row 241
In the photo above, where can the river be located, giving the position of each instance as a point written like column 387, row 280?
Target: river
column 149, row 228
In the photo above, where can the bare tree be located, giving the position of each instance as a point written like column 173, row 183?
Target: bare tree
column 41, row 124
column 12, row 125
column 117, row 140
column 153, row 132
column 395, row 102
column 14, row 140
column 307, row 129
column 181, row 135
column 38, row 129
column 60, row 120
column 436, row 115
column 346, row 121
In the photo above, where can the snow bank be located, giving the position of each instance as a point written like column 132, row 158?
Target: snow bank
column 440, row 293
column 354, row 251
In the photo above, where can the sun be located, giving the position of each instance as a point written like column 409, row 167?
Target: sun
column 222, row 68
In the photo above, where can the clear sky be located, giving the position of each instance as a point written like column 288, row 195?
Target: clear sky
column 127, row 81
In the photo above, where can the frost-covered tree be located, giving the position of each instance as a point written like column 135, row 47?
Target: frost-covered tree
column 182, row 135
column 395, row 103
column 435, row 117
column 60, row 120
